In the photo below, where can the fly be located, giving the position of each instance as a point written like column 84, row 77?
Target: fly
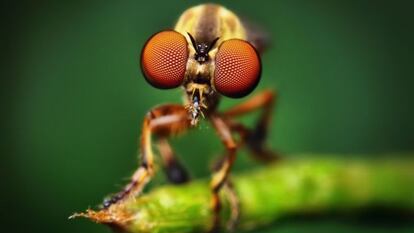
column 210, row 54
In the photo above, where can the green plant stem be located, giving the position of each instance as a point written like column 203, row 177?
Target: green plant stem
column 299, row 186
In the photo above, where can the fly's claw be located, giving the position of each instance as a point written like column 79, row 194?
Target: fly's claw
column 112, row 200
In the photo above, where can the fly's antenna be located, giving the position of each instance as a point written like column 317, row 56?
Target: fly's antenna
column 213, row 43
column 193, row 42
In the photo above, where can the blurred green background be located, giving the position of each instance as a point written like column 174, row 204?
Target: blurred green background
column 75, row 97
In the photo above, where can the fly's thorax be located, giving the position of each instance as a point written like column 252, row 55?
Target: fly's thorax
column 209, row 21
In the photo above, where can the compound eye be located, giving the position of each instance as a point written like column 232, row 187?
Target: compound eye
column 164, row 59
column 238, row 68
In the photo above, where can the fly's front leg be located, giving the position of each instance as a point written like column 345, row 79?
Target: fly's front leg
column 161, row 121
column 144, row 172
column 221, row 175
column 254, row 138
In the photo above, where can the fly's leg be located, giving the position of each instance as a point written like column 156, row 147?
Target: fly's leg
column 234, row 202
column 231, row 196
column 254, row 138
column 173, row 169
column 144, row 172
column 220, row 176
column 161, row 121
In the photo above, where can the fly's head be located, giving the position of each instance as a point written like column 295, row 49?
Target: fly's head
column 197, row 82
column 205, row 69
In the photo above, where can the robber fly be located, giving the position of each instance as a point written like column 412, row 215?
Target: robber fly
column 209, row 54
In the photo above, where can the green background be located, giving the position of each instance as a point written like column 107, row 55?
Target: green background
column 75, row 98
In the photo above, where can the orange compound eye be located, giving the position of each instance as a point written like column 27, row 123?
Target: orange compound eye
column 164, row 59
column 238, row 68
